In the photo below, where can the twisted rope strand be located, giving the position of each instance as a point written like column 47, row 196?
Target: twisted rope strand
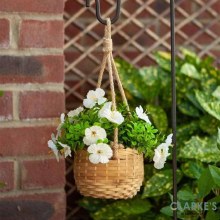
column 108, row 60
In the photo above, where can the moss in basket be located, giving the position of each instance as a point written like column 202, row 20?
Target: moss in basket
column 92, row 128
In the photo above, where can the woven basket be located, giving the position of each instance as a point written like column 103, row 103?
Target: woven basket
column 118, row 179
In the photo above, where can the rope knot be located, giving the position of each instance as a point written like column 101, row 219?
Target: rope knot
column 107, row 45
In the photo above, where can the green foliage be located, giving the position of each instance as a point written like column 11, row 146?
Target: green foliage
column 218, row 139
column 203, row 149
column 209, row 180
column 159, row 117
column 138, row 134
column 122, row 209
column 160, row 183
column 209, row 103
column 198, row 134
column 192, row 169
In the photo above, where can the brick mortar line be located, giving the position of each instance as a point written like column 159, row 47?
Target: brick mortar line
column 53, row 87
column 32, row 16
column 17, row 175
column 50, row 122
column 15, row 101
column 14, row 32
column 32, row 192
column 31, row 51
column 29, row 158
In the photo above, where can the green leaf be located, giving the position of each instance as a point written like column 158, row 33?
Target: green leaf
column 163, row 60
column 92, row 204
column 192, row 169
column 150, row 78
column 218, row 139
column 215, row 199
column 186, row 195
column 205, row 183
column 190, row 71
column 189, row 53
column 134, row 207
column 1, row 93
column 211, row 215
column 122, row 209
column 215, row 173
column 185, row 131
column 216, row 93
column 160, row 183
column 188, row 109
column 209, row 124
column 167, row 211
column 209, row 104
column 159, row 117
column 203, row 149
column 130, row 78
column 192, row 98
column 142, row 83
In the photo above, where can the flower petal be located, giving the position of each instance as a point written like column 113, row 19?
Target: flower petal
column 92, row 149
column 103, row 159
column 101, row 100
column 89, row 103
column 169, row 139
column 53, row 147
column 159, row 164
column 94, row 158
column 114, row 116
column 92, row 95
column 99, row 92
column 67, row 149
column 75, row 112
column 62, row 118
column 86, row 141
column 139, row 110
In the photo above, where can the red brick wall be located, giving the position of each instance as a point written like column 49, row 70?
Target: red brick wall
column 31, row 77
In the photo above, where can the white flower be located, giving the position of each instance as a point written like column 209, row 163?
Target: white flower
column 169, row 139
column 66, row 149
column 99, row 153
column 93, row 134
column 160, row 156
column 140, row 113
column 106, row 106
column 53, row 147
column 93, row 97
column 162, row 152
column 62, row 120
column 113, row 116
column 75, row 112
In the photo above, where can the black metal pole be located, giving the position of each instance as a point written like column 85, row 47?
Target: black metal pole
column 173, row 75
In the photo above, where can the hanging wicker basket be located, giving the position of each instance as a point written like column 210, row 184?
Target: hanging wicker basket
column 122, row 176
column 118, row 179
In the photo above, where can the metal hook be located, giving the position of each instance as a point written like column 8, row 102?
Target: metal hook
column 98, row 11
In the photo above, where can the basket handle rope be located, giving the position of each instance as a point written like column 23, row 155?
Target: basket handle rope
column 108, row 61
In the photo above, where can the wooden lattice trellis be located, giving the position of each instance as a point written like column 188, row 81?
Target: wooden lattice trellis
column 142, row 29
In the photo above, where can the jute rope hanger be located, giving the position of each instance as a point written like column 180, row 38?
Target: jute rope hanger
column 108, row 61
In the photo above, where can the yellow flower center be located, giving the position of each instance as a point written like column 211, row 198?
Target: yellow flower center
column 94, row 133
column 99, row 152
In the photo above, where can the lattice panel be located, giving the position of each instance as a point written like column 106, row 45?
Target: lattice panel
column 142, row 29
